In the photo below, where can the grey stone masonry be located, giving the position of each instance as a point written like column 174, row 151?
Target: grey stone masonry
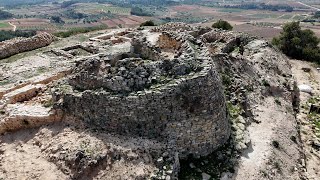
column 170, row 92
column 19, row 45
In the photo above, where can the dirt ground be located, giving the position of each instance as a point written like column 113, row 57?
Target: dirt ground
column 273, row 128
column 47, row 153
column 311, row 78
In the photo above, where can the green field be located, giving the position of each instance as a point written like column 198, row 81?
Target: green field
column 298, row 17
column 4, row 25
column 230, row 10
column 286, row 16
column 263, row 16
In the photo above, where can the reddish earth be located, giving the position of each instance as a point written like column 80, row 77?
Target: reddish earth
column 109, row 23
column 118, row 21
column 137, row 18
column 196, row 10
column 82, row 25
column 6, row 28
column 129, row 21
column 29, row 22
column 184, row 7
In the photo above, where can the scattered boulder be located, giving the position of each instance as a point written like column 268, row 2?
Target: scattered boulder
column 305, row 88
column 205, row 176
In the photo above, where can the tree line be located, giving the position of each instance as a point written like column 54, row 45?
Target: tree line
column 5, row 15
column 6, row 35
column 262, row 6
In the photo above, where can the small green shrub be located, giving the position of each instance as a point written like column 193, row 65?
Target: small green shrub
column 221, row 24
column 148, row 23
column 48, row 103
column 226, row 80
column 234, row 110
column 298, row 43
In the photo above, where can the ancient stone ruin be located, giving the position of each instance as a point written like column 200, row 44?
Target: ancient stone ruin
column 19, row 45
column 163, row 86
column 143, row 103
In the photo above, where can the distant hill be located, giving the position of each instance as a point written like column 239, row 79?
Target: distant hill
column 22, row 2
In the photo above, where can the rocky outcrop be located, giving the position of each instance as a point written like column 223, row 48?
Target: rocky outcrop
column 19, row 45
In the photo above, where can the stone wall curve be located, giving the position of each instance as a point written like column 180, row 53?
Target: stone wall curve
column 188, row 113
column 19, row 45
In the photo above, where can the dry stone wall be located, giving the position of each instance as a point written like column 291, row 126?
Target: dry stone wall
column 19, row 45
column 188, row 113
column 177, row 100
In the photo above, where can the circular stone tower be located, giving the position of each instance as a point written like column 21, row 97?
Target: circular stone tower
column 163, row 86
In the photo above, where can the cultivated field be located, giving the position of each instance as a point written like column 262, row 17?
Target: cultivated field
column 37, row 17
column 262, row 23
column 95, row 8
column 263, row 32
column 5, row 26
column 32, row 24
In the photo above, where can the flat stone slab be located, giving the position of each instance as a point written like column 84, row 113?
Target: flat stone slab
column 24, row 116
column 27, row 110
column 23, row 94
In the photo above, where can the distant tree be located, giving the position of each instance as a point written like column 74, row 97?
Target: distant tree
column 74, row 15
column 317, row 14
column 5, row 15
column 298, row 43
column 147, row 23
column 6, row 35
column 66, row 4
column 221, row 24
column 262, row 6
column 57, row 19
column 139, row 12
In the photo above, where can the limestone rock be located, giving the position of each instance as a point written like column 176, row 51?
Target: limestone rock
column 205, row 176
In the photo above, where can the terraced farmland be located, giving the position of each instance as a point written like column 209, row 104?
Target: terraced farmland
column 93, row 8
